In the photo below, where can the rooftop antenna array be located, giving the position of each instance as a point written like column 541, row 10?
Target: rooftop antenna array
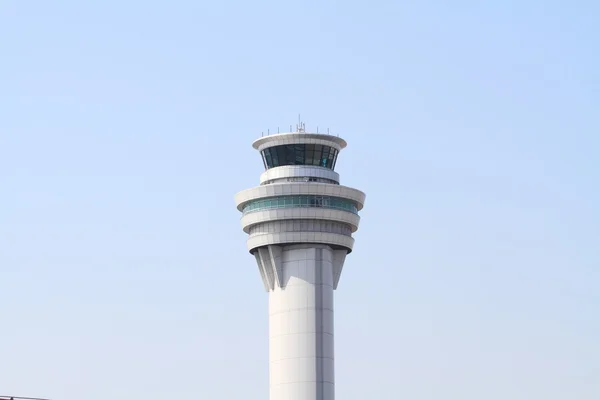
column 301, row 127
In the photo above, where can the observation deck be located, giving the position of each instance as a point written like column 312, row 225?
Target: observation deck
column 300, row 199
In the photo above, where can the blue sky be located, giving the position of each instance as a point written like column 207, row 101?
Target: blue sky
column 125, row 131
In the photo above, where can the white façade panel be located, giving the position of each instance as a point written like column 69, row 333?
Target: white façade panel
column 298, row 171
column 302, row 332
column 299, row 138
column 335, row 239
column 323, row 189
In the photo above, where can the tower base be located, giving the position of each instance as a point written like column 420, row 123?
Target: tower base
column 300, row 280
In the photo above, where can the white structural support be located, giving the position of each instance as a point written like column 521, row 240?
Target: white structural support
column 300, row 222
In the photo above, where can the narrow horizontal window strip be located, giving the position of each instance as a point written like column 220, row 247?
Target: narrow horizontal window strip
column 301, row 225
column 308, row 201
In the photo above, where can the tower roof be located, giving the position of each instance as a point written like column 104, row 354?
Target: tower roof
column 298, row 138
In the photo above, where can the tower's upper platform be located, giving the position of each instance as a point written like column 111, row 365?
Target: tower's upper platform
column 300, row 199
column 299, row 148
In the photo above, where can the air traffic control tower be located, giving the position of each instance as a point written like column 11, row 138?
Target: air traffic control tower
column 299, row 223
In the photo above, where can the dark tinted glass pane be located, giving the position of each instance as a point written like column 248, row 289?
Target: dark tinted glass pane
column 331, row 157
column 268, row 158
column 290, row 158
column 300, row 154
column 299, row 150
column 334, row 160
column 281, row 154
column 332, row 154
column 325, row 156
column 274, row 156
column 318, row 153
column 310, row 154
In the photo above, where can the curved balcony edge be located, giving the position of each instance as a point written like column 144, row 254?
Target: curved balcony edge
column 334, row 240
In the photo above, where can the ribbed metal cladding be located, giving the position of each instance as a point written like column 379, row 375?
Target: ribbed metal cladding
column 301, row 225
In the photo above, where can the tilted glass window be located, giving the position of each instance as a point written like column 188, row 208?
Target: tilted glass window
column 300, row 154
column 335, row 203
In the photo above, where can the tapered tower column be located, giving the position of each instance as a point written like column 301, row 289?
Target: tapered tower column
column 300, row 222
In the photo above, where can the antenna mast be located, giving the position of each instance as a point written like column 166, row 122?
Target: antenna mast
column 301, row 126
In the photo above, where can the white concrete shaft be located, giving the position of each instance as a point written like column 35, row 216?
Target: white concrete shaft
column 301, row 347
